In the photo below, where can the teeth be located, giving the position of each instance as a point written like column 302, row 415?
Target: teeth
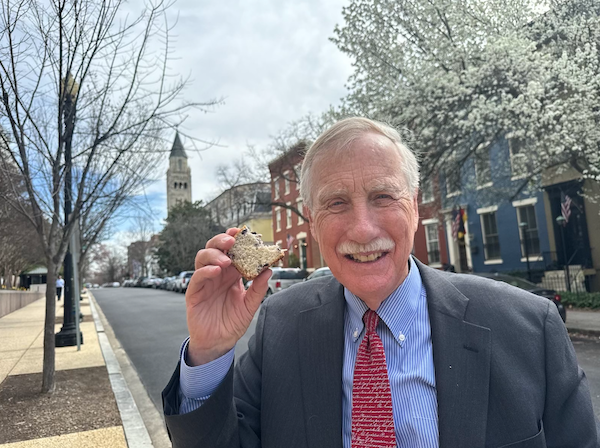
column 364, row 259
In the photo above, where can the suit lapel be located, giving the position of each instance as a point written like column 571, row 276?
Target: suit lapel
column 461, row 354
column 321, row 351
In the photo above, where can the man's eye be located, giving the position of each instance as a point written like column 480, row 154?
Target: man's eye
column 383, row 196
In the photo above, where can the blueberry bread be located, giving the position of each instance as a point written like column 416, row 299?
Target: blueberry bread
column 251, row 256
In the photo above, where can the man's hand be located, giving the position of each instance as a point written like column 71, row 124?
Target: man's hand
column 219, row 309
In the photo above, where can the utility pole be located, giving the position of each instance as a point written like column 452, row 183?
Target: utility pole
column 67, row 336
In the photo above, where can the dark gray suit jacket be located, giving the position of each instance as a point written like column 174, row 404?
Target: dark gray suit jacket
column 506, row 373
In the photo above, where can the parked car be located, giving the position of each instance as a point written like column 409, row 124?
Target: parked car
column 169, row 283
column 321, row 272
column 182, row 280
column 528, row 286
column 283, row 278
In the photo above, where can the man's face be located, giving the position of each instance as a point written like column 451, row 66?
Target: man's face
column 364, row 218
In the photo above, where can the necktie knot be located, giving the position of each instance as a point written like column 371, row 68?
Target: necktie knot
column 371, row 319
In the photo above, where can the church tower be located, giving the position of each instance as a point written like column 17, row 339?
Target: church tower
column 179, row 176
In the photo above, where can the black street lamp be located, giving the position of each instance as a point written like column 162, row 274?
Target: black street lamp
column 67, row 336
column 562, row 222
column 524, row 226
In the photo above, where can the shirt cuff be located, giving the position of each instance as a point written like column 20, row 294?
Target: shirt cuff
column 200, row 382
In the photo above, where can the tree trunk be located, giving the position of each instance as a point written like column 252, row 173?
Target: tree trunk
column 49, row 337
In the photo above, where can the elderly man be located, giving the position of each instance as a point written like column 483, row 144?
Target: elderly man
column 386, row 353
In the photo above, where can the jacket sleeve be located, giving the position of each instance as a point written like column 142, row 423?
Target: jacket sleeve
column 230, row 418
column 568, row 419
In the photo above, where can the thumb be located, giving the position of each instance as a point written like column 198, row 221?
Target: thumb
column 258, row 288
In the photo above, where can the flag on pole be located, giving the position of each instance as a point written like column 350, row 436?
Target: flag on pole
column 289, row 240
column 565, row 208
column 459, row 217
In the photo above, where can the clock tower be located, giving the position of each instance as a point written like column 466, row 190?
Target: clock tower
column 179, row 176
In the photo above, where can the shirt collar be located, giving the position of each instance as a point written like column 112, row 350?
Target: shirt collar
column 397, row 311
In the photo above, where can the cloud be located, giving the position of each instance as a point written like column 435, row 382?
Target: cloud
column 272, row 63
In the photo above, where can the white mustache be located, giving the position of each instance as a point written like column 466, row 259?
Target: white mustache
column 377, row 245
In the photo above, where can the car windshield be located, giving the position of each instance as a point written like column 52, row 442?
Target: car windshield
column 288, row 275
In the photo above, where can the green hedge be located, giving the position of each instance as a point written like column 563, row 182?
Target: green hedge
column 581, row 299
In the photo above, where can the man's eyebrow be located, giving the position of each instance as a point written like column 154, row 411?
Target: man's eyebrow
column 327, row 194
column 379, row 185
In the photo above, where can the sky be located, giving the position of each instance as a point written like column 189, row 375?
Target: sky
column 270, row 61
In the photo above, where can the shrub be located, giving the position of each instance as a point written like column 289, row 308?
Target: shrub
column 581, row 299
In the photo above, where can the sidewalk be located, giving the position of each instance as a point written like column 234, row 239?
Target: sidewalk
column 91, row 405
column 583, row 321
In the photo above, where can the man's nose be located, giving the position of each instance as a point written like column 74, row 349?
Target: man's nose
column 363, row 225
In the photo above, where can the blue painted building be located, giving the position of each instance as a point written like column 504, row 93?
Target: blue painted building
column 505, row 223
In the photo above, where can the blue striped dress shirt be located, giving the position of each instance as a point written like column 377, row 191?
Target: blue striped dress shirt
column 406, row 335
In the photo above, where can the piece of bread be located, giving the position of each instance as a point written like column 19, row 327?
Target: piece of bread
column 251, row 256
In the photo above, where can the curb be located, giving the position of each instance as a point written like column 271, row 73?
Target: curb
column 585, row 332
column 136, row 432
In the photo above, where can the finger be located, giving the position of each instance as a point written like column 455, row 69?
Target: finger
column 222, row 241
column 258, row 289
column 208, row 257
column 232, row 231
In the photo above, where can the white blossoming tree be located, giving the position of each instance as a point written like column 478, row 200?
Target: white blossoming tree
column 462, row 74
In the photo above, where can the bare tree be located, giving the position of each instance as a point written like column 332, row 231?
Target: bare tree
column 85, row 98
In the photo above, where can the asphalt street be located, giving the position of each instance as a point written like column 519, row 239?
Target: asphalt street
column 150, row 325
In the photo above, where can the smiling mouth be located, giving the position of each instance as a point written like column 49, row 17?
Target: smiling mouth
column 366, row 258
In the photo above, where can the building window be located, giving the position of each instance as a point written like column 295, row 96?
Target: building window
column 286, row 180
column 185, row 185
column 518, row 158
column 179, row 163
column 452, row 178
column 288, row 217
column 299, row 206
column 175, row 185
column 483, row 168
column 528, row 231
column 491, row 241
column 426, row 191
column 276, row 188
column 278, row 220
column 433, row 243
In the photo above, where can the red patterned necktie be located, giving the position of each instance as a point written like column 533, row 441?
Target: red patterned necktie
column 372, row 416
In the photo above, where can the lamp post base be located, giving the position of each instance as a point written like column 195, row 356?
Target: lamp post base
column 67, row 337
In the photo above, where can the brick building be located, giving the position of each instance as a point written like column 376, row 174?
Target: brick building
column 290, row 230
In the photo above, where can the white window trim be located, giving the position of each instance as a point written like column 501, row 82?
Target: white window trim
column 301, row 236
column 488, row 185
column 430, row 222
column 276, row 187
column 427, row 222
column 288, row 216
column 452, row 194
column 300, row 220
column 484, row 210
column 278, row 221
column 279, row 242
column 511, row 158
column 481, row 212
column 430, row 199
column 524, row 202
column 532, row 258
column 286, row 182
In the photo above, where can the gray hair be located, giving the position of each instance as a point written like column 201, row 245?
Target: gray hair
column 340, row 136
